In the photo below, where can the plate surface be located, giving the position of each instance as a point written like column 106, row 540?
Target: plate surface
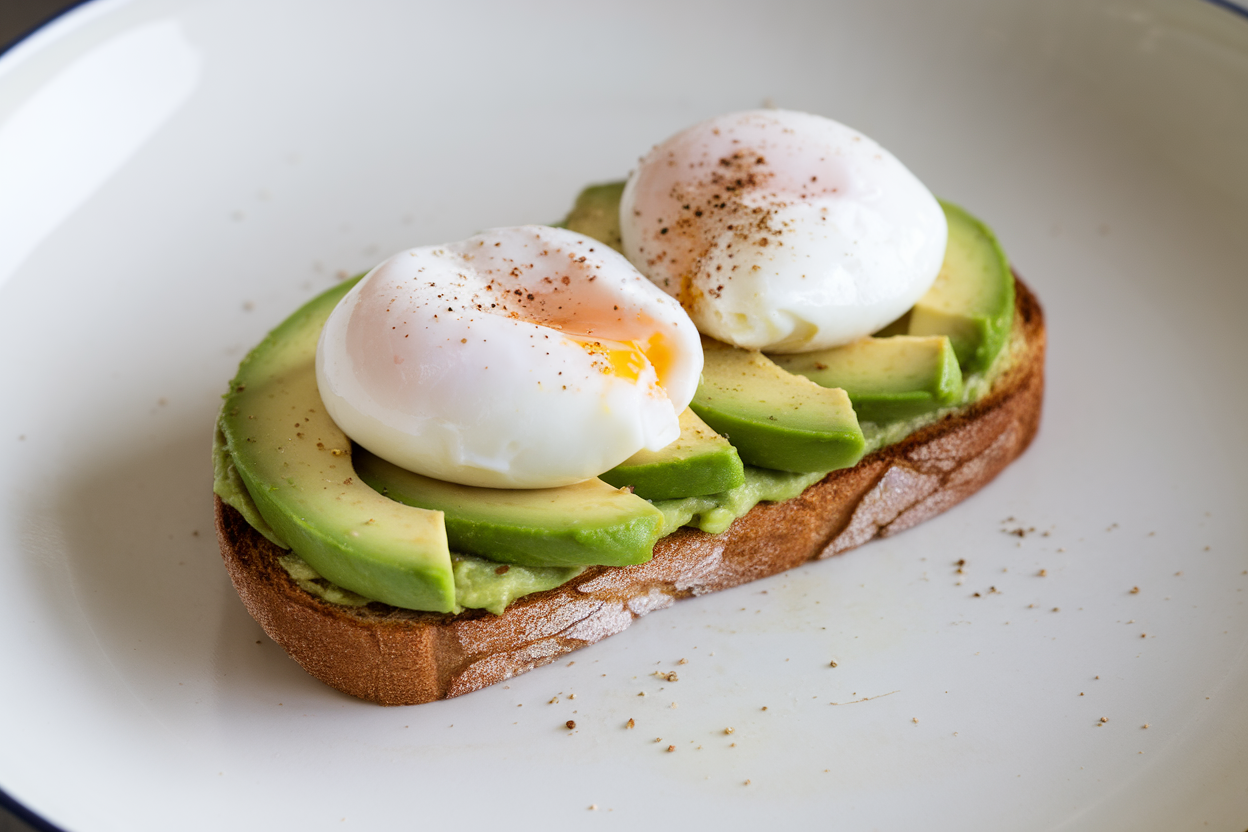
column 175, row 177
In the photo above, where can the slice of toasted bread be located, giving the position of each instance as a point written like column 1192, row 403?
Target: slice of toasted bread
column 402, row 657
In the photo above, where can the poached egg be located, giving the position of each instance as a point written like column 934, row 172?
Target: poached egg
column 782, row 231
column 526, row 357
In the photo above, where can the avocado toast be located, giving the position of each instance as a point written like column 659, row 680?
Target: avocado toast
column 923, row 458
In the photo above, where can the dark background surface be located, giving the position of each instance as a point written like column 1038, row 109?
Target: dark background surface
column 17, row 19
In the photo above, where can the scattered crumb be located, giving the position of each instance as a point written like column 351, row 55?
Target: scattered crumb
column 1104, row 719
column 764, row 707
column 643, row 693
column 571, row 695
column 747, row 782
column 671, row 748
column 569, row 664
column 732, row 745
column 683, row 661
column 553, row 700
column 674, row 705
column 960, row 563
column 729, row 730
column 975, row 595
column 593, row 807
column 1042, row 573
column 1057, row 609
column 832, row 663
column 630, row 723
column 915, row 720
column 1081, row 693
column 1135, row 590
column 658, row 739
column 1096, row 677
column 571, row 724
column 1143, row 635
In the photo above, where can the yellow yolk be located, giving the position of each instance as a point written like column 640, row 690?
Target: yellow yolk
column 660, row 353
column 627, row 360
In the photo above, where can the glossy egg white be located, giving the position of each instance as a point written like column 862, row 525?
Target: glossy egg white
column 526, row 357
column 782, row 231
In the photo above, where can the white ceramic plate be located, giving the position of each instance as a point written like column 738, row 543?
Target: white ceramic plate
column 175, row 177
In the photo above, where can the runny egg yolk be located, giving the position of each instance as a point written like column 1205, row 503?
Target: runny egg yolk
column 525, row 357
column 628, row 359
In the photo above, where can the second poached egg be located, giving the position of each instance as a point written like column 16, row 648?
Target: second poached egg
column 782, row 231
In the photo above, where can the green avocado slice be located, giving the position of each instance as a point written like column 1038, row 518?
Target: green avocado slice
column 699, row 462
column 589, row 523
column 774, row 418
column 972, row 300
column 886, row 378
column 297, row 467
